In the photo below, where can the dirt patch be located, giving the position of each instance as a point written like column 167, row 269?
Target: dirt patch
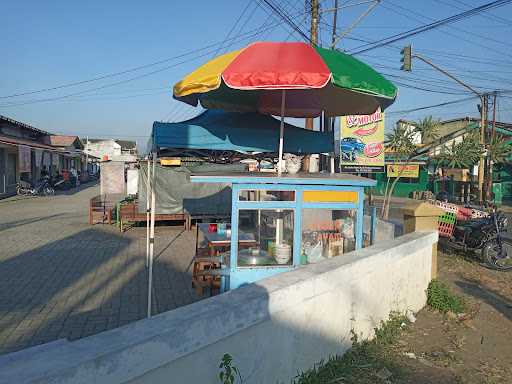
column 472, row 348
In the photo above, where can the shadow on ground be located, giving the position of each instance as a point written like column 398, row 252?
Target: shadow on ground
column 477, row 290
column 86, row 283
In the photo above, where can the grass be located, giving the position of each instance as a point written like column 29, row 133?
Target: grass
column 440, row 298
column 366, row 362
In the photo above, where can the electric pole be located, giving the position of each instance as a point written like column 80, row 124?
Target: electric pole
column 489, row 153
column 407, row 56
column 314, row 41
column 481, row 165
column 334, row 26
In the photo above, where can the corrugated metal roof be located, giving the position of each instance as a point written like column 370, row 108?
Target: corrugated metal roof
column 22, row 125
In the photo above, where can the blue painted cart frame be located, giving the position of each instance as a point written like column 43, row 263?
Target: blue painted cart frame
column 234, row 276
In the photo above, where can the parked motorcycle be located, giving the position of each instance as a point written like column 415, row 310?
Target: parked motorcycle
column 483, row 236
column 43, row 188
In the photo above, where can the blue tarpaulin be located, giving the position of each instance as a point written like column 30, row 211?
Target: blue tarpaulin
column 245, row 132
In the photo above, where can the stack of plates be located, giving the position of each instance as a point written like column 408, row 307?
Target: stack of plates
column 282, row 253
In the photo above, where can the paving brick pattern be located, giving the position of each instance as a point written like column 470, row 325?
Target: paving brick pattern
column 62, row 278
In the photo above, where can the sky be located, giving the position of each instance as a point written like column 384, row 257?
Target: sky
column 126, row 56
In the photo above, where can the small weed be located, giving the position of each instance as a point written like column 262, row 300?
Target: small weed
column 229, row 372
column 441, row 299
column 364, row 362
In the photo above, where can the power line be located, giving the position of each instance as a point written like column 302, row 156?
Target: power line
column 427, row 27
column 287, row 19
column 492, row 16
column 464, row 31
column 233, row 40
column 232, row 28
column 405, row 111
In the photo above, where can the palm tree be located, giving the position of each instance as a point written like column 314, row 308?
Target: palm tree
column 428, row 128
column 462, row 155
column 400, row 142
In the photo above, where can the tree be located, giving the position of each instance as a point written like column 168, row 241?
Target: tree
column 462, row 155
column 499, row 151
column 428, row 128
column 401, row 142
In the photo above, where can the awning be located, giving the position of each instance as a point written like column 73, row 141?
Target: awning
column 231, row 131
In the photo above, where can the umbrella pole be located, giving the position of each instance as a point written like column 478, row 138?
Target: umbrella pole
column 148, row 206
column 152, row 236
column 281, row 134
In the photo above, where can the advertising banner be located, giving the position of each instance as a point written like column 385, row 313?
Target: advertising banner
column 362, row 143
column 410, row 170
column 24, row 158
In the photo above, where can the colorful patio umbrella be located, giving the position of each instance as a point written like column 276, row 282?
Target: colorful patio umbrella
column 290, row 79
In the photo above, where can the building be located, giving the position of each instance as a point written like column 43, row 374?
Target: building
column 450, row 132
column 24, row 152
column 71, row 152
column 110, row 149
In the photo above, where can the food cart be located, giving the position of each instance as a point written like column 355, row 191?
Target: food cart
column 294, row 219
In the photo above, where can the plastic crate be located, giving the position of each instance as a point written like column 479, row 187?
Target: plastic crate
column 446, row 224
column 464, row 213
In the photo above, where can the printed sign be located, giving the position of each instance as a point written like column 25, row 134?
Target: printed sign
column 23, row 158
column 410, row 170
column 362, row 143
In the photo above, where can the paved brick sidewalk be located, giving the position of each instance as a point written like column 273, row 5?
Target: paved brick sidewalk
column 62, row 278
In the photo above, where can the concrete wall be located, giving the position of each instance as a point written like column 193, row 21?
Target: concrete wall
column 273, row 329
column 384, row 230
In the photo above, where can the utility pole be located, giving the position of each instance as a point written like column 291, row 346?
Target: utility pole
column 489, row 153
column 314, row 10
column 334, row 26
column 407, row 57
column 493, row 134
column 481, row 165
column 314, row 41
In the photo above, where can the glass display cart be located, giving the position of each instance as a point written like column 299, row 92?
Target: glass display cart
column 294, row 219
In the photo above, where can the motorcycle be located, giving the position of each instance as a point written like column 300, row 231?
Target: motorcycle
column 483, row 236
column 43, row 188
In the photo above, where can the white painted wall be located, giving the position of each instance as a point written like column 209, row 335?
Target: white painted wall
column 103, row 148
column 273, row 329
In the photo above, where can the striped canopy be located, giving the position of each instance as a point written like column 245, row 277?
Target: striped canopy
column 315, row 79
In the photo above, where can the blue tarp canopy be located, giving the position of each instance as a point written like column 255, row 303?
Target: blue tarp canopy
column 245, row 132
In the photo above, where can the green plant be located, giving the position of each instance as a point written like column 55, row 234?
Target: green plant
column 428, row 128
column 229, row 372
column 389, row 331
column 364, row 361
column 463, row 154
column 401, row 142
column 440, row 298
column 499, row 149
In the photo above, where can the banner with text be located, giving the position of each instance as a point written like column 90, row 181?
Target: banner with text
column 404, row 170
column 362, row 143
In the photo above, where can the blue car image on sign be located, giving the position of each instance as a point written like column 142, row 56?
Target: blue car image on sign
column 350, row 147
